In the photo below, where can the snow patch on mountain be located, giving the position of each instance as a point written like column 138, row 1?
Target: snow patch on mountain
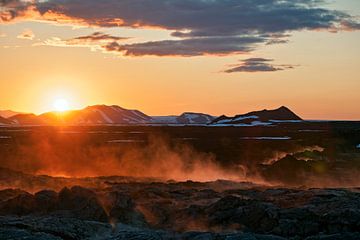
column 285, row 121
column 165, row 119
column 251, row 124
column 104, row 116
column 187, row 118
column 236, row 119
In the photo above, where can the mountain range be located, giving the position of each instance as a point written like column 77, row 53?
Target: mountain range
column 103, row 114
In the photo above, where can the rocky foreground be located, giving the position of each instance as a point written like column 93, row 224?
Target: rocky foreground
column 178, row 210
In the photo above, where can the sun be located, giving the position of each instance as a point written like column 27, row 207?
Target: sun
column 61, row 105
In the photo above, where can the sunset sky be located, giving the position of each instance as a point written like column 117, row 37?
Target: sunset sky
column 169, row 56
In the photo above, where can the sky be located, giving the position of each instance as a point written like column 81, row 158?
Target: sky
column 166, row 57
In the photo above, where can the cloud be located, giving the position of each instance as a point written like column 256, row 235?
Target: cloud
column 198, row 27
column 202, row 18
column 13, row 9
column 183, row 47
column 98, row 37
column 257, row 65
column 26, row 34
column 188, row 47
column 94, row 41
column 351, row 25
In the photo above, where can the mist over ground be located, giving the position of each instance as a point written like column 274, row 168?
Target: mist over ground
column 312, row 155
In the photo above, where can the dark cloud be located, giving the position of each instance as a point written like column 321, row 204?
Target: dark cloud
column 351, row 25
column 188, row 47
column 98, row 37
column 200, row 26
column 257, row 65
column 201, row 17
column 11, row 9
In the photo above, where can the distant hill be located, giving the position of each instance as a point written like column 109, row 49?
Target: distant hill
column 7, row 113
column 185, row 118
column 4, row 121
column 256, row 118
column 27, row 119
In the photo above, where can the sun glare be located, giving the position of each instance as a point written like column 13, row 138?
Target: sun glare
column 61, row 105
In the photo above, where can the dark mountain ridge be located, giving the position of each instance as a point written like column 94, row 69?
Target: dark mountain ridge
column 263, row 117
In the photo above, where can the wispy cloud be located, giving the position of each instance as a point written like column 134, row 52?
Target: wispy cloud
column 97, row 37
column 26, row 34
column 257, row 65
column 94, row 41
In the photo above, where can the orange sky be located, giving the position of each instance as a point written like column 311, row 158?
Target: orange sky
column 324, row 82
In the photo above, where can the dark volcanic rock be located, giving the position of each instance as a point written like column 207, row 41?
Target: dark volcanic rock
column 180, row 211
column 76, row 202
column 341, row 220
column 54, row 228
column 338, row 236
column 81, row 203
column 121, row 208
column 50, row 228
column 247, row 214
column 7, row 194
column 20, row 205
column 46, row 200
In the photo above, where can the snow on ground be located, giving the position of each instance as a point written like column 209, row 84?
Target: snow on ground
column 258, row 123
column 236, row 119
column 286, row 121
column 252, row 124
column 5, row 137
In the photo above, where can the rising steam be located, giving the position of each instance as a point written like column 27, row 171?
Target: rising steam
column 157, row 159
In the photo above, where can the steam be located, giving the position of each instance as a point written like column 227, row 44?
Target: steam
column 157, row 159
column 162, row 158
column 277, row 155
